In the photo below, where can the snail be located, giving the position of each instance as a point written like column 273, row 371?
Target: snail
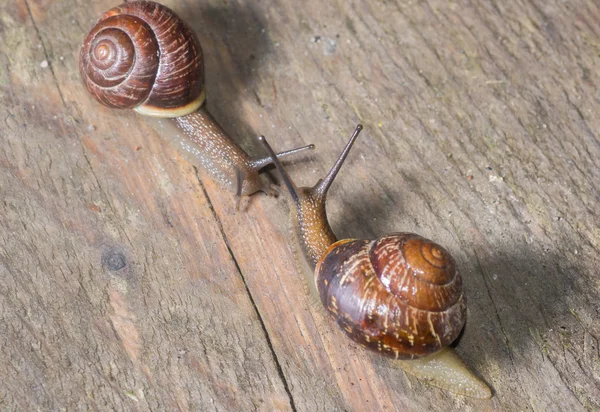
column 141, row 55
column 399, row 295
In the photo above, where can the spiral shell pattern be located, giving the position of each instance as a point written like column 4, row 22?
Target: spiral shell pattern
column 142, row 55
column 400, row 295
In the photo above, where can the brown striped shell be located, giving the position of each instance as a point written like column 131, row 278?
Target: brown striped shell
column 141, row 55
column 400, row 295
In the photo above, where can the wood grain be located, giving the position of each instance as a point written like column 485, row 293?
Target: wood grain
column 128, row 281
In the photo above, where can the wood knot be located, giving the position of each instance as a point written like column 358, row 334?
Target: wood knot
column 114, row 260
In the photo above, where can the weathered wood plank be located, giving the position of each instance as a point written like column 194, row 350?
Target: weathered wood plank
column 117, row 288
column 480, row 132
column 447, row 91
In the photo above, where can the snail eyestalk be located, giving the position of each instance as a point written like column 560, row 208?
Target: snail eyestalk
column 323, row 186
column 258, row 164
column 284, row 176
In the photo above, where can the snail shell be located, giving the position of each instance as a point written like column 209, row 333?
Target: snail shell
column 400, row 295
column 141, row 55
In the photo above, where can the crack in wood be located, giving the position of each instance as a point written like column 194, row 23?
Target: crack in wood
column 39, row 35
column 250, row 297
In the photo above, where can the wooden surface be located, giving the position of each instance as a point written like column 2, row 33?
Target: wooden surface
column 127, row 280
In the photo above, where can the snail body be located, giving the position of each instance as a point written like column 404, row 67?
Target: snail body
column 400, row 295
column 142, row 56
